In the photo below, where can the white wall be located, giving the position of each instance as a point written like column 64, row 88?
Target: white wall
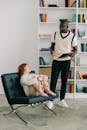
column 18, row 35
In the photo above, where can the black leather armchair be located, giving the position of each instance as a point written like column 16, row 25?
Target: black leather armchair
column 15, row 94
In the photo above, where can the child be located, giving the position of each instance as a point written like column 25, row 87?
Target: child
column 33, row 84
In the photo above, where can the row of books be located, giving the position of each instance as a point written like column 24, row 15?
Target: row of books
column 83, row 47
column 43, row 17
column 41, row 61
column 70, row 88
column 41, row 3
column 81, row 18
column 67, row 4
column 81, row 33
column 79, row 75
column 45, row 49
column 82, row 3
column 71, row 74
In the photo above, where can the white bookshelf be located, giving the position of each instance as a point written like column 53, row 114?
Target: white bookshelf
column 48, row 27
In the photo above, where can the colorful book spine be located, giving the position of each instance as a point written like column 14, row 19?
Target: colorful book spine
column 45, row 17
column 40, row 3
column 66, row 3
column 84, row 3
column 43, row 3
column 71, row 88
column 80, row 75
column 79, row 18
column 41, row 17
column 78, row 3
column 69, row 3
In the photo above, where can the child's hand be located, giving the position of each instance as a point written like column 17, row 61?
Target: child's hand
column 43, row 77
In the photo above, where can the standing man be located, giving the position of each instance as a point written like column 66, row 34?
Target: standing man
column 62, row 50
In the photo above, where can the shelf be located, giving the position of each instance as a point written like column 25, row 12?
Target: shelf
column 76, row 95
column 82, row 23
column 80, row 95
column 44, row 66
column 57, row 8
column 80, row 8
column 81, row 80
column 82, row 66
column 44, row 36
column 55, row 22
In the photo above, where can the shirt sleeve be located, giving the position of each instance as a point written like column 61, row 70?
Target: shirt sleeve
column 74, row 42
column 28, row 79
column 52, row 37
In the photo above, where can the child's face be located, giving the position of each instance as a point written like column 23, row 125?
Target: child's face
column 27, row 69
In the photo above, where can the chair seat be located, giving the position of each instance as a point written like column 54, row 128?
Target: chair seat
column 32, row 99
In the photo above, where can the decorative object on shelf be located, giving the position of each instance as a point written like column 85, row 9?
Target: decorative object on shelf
column 52, row 5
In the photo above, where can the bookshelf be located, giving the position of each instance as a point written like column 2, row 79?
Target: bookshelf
column 81, row 63
column 49, row 13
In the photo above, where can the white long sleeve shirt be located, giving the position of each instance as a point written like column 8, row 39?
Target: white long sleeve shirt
column 26, row 80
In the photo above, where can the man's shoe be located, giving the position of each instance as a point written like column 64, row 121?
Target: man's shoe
column 63, row 103
column 49, row 105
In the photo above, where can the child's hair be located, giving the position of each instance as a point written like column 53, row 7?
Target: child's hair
column 21, row 68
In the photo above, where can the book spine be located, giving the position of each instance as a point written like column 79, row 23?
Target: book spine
column 71, row 88
column 79, row 18
column 84, row 3
column 80, row 75
column 45, row 17
column 66, row 3
column 43, row 3
column 78, row 3
column 40, row 3
column 69, row 3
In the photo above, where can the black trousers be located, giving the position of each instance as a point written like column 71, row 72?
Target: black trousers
column 57, row 68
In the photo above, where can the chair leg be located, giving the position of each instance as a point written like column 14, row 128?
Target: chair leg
column 14, row 110
column 24, row 121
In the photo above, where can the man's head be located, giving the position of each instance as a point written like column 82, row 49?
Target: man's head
column 63, row 25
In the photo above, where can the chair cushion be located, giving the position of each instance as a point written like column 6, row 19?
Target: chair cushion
column 32, row 99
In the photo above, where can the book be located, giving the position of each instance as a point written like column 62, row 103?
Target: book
column 45, row 17
column 73, row 4
column 71, row 88
column 40, row 3
column 80, row 75
column 78, row 3
column 41, row 61
column 69, row 2
column 43, row 3
column 66, row 3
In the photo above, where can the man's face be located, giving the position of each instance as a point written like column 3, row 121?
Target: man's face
column 64, row 27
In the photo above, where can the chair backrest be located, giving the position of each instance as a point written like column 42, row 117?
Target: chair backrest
column 11, row 85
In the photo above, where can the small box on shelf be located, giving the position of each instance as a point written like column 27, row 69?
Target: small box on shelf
column 45, row 70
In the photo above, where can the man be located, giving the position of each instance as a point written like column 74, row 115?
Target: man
column 63, row 48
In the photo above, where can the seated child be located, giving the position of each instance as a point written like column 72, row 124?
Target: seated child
column 34, row 84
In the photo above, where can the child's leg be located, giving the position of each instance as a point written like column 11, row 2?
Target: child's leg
column 47, row 89
column 39, row 88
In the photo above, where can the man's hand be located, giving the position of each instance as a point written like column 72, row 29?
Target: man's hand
column 73, row 51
